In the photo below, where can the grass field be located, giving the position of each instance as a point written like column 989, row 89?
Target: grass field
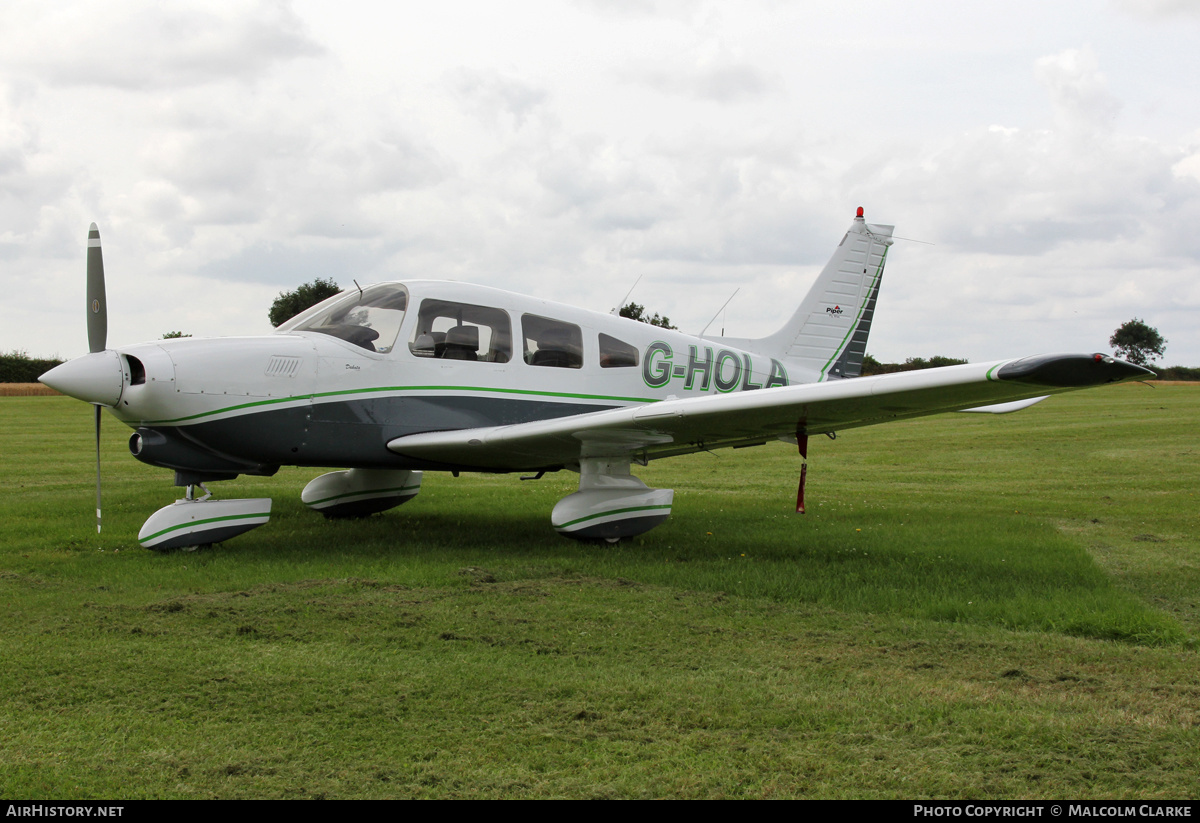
column 974, row 606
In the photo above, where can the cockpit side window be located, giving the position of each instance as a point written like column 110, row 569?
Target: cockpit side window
column 552, row 342
column 461, row 331
column 616, row 354
column 369, row 318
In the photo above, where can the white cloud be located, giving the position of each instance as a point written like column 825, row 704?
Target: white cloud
column 724, row 82
column 137, row 46
column 495, row 98
column 1169, row 9
column 1079, row 91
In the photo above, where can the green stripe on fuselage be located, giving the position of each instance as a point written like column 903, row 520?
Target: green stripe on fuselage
column 399, row 389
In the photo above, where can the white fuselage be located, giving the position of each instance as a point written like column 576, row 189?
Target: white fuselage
column 318, row 399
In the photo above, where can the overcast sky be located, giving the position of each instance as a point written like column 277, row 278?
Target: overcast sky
column 1046, row 156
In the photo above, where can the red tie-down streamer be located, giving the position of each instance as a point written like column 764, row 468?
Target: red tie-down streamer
column 802, row 444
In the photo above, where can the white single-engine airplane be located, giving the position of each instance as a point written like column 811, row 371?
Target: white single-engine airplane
column 400, row 378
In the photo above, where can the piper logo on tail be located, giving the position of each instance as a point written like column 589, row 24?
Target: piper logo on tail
column 836, row 310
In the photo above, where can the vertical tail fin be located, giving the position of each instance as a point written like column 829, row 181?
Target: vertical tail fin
column 828, row 333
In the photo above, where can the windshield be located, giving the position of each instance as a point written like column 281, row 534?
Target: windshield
column 369, row 318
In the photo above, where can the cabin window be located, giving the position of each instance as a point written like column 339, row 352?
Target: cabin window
column 461, row 331
column 616, row 354
column 552, row 342
column 369, row 318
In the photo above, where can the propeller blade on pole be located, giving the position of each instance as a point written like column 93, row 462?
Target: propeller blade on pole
column 97, row 469
column 97, row 304
column 97, row 327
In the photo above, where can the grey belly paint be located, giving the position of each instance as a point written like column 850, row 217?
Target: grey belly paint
column 355, row 433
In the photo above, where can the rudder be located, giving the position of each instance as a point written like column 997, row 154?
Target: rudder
column 828, row 333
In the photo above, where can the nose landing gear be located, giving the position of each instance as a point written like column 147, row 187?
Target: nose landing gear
column 198, row 521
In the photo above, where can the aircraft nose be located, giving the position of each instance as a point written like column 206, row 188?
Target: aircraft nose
column 95, row 378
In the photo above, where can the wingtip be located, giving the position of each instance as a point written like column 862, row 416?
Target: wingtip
column 1072, row 370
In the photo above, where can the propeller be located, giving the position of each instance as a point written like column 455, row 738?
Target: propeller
column 97, row 311
column 97, row 328
column 98, row 376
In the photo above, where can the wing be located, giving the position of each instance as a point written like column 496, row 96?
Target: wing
column 671, row 427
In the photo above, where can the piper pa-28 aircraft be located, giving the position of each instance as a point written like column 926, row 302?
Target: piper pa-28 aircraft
column 400, row 378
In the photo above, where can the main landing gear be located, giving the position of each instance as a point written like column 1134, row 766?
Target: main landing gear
column 610, row 504
column 360, row 492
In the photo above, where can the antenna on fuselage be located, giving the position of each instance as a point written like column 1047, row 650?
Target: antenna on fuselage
column 617, row 309
column 714, row 317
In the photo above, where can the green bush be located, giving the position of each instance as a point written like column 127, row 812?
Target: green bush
column 19, row 367
column 1177, row 373
column 873, row 366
